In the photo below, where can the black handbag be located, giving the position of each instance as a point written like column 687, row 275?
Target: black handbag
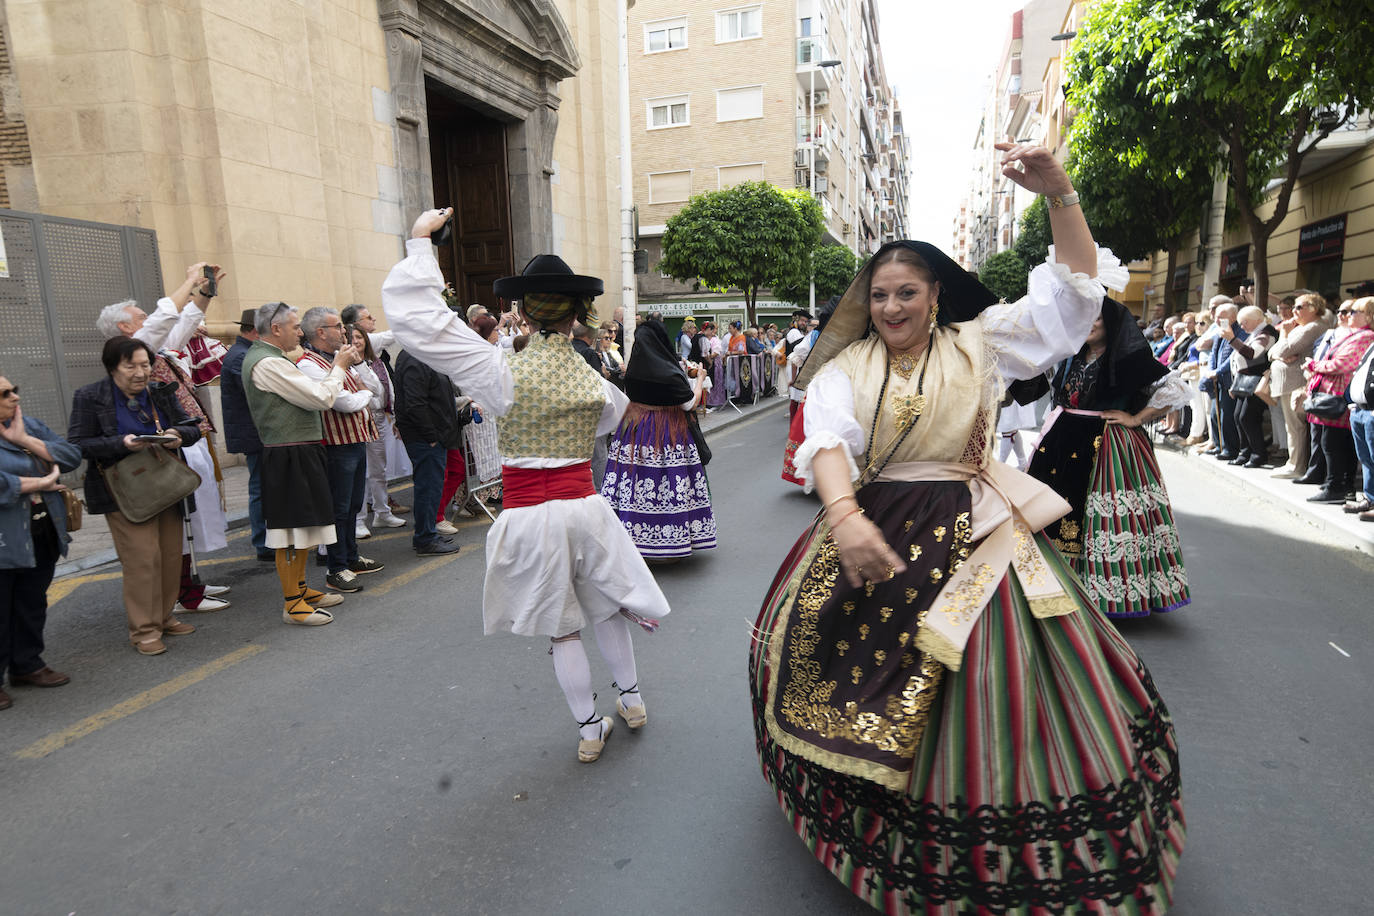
column 698, row 437
column 1327, row 406
column 1244, row 386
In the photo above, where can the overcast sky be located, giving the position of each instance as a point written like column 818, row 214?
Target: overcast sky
column 940, row 58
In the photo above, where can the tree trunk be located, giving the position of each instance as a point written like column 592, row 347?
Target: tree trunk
column 751, row 295
column 1169, row 278
column 1259, row 237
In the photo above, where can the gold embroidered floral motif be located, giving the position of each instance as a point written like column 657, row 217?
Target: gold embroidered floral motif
column 842, row 647
column 936, row 575
column 966, row 600
column 959, row 545
column 911, row 594
column 879, row 656
column 863, row 631
column 907, row 525
column 1068, row 529
column 1097, row 443
column 915, row 551
column 908, row 660
column 868, row 589
column 903, row 639
column 940, row 534
column 1029, row 564
column 1073, row 455
column 856, row 673
column 885, row 613
column 848, row 607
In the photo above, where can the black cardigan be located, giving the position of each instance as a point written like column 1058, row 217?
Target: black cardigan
column 94, row 428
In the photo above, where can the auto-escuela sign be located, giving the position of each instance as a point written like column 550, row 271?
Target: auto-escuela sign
column 1322, row 239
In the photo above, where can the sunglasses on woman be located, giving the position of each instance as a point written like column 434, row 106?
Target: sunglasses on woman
column 7, row 392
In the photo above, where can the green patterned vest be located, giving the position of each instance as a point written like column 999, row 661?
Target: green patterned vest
column 278, row 421
column 558, row 402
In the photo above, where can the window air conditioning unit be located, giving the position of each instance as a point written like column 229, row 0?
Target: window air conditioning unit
column 822, row 98
column 821, row 165
column 822, row 185
column 800, row 160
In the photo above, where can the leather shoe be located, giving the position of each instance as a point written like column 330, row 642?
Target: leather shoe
column 1360, row 505
column 1225, row 456
column 1367, row 516
column 150, row 647
column 1210, row 450
column 1240, row 459
column 1326, row 496
column 5, row 701
column 1255, row 462
column 43, row 677
column 1310, row 479
column 178, row 628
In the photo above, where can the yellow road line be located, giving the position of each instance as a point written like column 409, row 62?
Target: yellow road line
column 410, row 575
column 56, row 740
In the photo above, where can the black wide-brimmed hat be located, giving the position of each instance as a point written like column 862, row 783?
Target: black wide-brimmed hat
column 549, row 274
column 962, row 298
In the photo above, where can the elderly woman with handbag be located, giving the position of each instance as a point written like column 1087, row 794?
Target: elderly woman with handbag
column 116, row 422
column 1327, row 408
column 33, row 534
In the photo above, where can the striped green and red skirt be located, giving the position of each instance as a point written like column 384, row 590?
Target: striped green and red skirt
column 1120, row 536
column 1046, row 779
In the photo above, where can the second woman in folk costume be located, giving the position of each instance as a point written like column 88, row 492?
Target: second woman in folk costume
column 1119, row 535
column 948, row 721
column 654, row 479
column 558, row 559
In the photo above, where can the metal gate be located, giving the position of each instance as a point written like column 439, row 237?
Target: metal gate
column 62, row 272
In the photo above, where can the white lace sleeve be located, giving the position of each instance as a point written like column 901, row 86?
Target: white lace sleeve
column 1170, row 393
column 1052, row 320
column 828, row 420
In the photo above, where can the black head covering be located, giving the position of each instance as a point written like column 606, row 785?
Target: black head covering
column 1129, row 366
column 653, row 375
column 962, row 298
column 548, row 273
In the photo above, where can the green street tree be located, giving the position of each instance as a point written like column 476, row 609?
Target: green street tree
column 1033, row 241
column 834, row 266
column 1005, row 273
column 747, row 237
column 1265, row 80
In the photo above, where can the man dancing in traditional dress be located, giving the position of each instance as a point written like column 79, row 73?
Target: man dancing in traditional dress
column 296, row 502
column 558, row 559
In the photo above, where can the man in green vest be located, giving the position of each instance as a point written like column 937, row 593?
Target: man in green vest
column 286, row 406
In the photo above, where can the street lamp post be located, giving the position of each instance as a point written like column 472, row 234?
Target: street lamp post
column 811, row 182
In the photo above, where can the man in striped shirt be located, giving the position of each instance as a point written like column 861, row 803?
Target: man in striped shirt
column 347, row 429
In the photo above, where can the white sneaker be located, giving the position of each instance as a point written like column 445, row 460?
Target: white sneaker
column 360, row 531
column 446, row 527
column 214, row 591
column 207, row 604
column 387, row 520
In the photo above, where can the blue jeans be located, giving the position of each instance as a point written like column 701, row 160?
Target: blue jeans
column 255, row 519
column 1362, row 428
column 347, row 466
column 428, row 463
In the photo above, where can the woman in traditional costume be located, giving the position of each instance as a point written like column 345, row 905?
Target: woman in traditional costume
column 1119, row 534
column 654, row 479
column 949, row 723
column 558, row 559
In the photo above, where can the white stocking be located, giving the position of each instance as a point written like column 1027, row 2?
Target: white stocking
column 613, row 639
column 575, row 677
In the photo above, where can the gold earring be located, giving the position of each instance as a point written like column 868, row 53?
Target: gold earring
column 934, row 316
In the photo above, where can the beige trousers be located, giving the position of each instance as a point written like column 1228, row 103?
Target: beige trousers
column 1295, row 421
column 151, row 556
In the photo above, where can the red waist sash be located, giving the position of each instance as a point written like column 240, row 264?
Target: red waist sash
column 522, row 487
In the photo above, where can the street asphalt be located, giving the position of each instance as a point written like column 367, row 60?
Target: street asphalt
column 398, row 761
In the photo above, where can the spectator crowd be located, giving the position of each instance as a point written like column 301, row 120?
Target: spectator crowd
column 1284, row 389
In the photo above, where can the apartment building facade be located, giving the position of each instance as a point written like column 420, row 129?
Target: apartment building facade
column 793, row 93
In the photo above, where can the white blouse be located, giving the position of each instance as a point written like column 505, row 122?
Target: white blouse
column 1026, row 337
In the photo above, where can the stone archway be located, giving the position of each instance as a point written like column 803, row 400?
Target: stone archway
column 504, row 58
